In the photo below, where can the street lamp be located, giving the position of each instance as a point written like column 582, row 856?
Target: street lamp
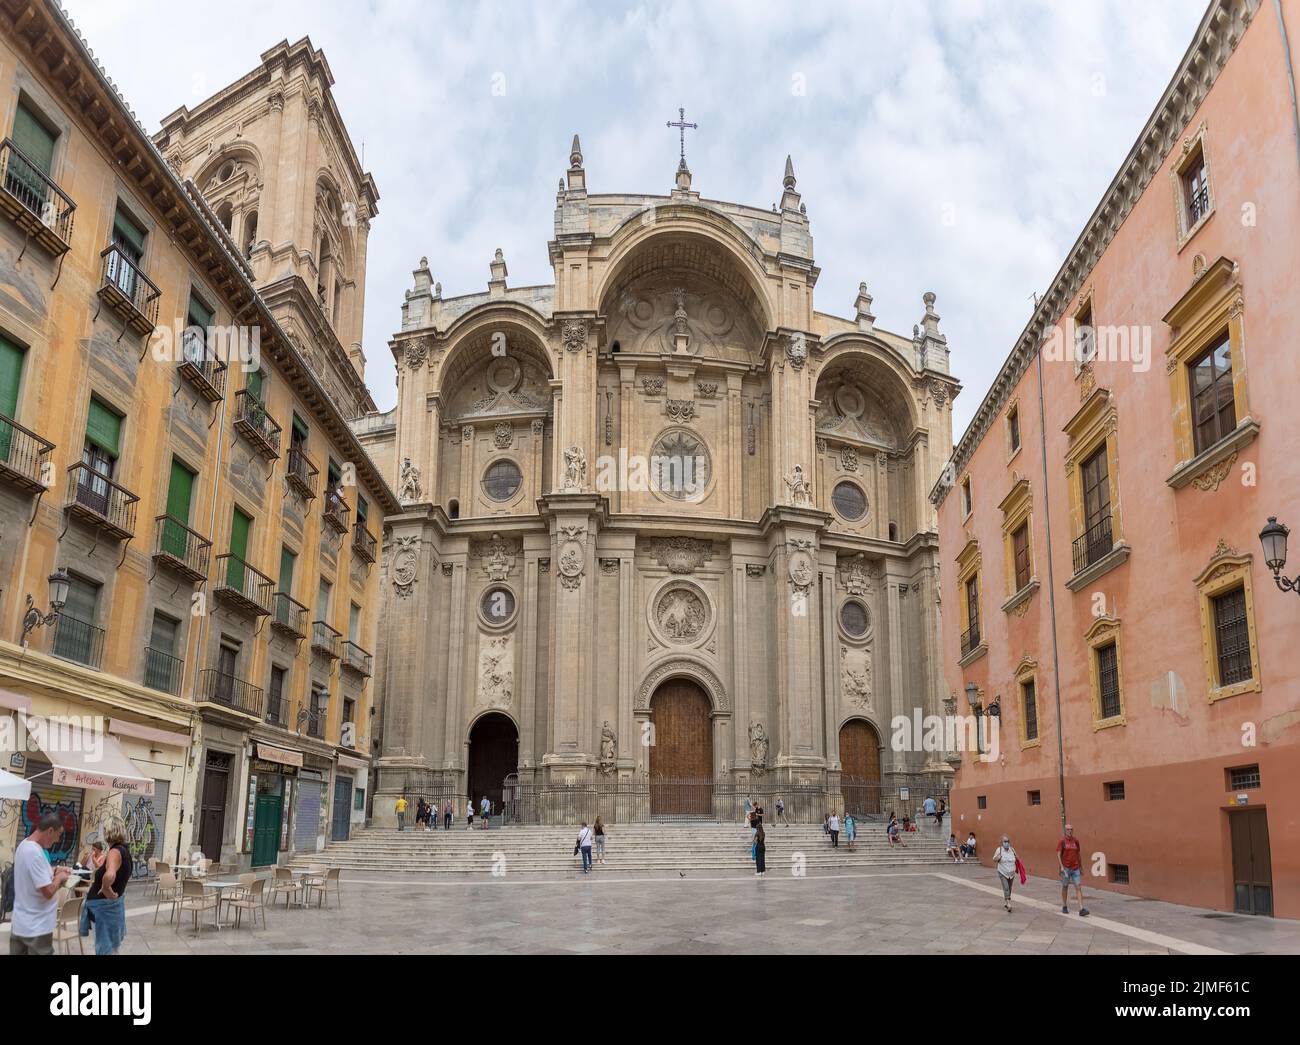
column 1273, row 538
column 972, row 694
column 33, row 618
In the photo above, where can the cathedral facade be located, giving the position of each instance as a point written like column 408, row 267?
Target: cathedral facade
column 664, row 526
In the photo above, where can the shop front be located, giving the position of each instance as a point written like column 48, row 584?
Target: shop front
column 272, row 776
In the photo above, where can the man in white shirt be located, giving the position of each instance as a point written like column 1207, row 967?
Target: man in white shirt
column 834, row 825
column 585, row 837
column 36, row 890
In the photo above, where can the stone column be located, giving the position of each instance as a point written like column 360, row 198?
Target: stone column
column 529, row 756
column 453, row 749
column 740, row 663
column 735, row 445
column 468, row 479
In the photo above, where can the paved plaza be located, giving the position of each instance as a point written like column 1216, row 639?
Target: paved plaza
column 955, row 909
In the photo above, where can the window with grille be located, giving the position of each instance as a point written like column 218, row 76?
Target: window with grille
column 1214, row 411
column 973, row 604
column 1114, row 790
column 1035, row 798
column 275, row 696
column 1096, row 491
column 1231, row 636
column 1243, row 778
column 1196, row 187
column 1108, row 679
column 1020, row 553
column 1117, row 873
column 981, row 802
column 1029, row 700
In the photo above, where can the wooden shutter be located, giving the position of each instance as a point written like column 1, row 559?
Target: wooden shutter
column 255, row 385
column 199, row 314
column 128, row 235
column 163, row 636
column 11, row 372
column 104, row 428
column 287, row 561
column 33, row 140
column 179, row 492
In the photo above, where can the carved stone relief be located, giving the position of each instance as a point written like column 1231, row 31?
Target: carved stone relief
column 496, row 676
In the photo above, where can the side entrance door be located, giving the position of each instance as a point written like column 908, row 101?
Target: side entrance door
column 1252, row 863
column 341, row 822
column 266, row 829
column 212, row 811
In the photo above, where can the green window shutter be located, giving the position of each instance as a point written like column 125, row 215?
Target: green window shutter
column 11, row 372
column 354, row 622
column 127, row 233
column 239, row 526
column 33, row 140
column 333, row 474
column 255, row 385
column 323, row 602
column 199, row 314
column 362, row 508
column 104, row 428
column 163, row 636
column 179, row 492
column 287, row 562
column 83, row 600
column 299, row 428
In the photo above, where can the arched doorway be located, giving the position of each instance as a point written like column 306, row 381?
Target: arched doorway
column 493, row 755
column 681, row 757
column 860, row 766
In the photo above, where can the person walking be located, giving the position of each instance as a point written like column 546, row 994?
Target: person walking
column 749, row 809
column 1008, row 866
column 400, row 809
column 446, row 815
column 833, row 826
column 36, row 890
column 485, row 808
column 938, row 816
column 599, row 831
column 469, row 813
column 105, row 903
column 780, row 811
column 929, row 806
column 760, row 852
column 1067, row 855
column 585, row 837
column 850, row 829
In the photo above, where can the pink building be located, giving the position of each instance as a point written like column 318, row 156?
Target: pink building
column 1104, row 585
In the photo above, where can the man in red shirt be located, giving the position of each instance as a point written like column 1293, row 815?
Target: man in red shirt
column 1067, row 855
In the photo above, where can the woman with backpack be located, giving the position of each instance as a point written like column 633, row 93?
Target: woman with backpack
column 1008, row 867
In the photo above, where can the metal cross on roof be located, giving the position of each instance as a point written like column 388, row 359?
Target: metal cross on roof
column 681, row 125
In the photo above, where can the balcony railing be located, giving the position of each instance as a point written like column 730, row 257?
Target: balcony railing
column 301, row 472
column 256, row 425
column 218, row 687
column 1095, row 542
column 200, row 366
column 336, row 513
column 970, row 638
column 163, row 671
column 23, row 456
column 288, row 615
column 325, row 639
column 95, row 499
column 315, row 722
column 39, row 207
column 356, row 659
column 181, row 549
column 276, row 707
column 363, row 542
column 77, row 640
column 243, row 587
column 128, row 291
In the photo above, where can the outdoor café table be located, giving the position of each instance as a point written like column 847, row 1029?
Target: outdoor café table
column 220, row 885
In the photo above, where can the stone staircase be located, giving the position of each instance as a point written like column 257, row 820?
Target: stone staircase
column 654, row 848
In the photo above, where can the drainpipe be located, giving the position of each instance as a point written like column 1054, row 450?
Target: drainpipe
column 1051, row 594
column 1290, row 77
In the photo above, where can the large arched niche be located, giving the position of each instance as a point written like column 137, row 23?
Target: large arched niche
column 726, row 312
column 865, row 398
column 496, row 366
column 245, row 169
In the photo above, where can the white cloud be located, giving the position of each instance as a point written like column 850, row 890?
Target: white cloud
column 993, row 108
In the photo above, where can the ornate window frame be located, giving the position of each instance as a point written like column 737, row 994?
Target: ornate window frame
column 1194, row 145
column 1214, row 305
column 1095, row 424
column 1102, row 632
column 487, row 622
column 1013, row 410
column 1226, row 570
column 1027, row 671
column 1017, row 508
column 854, row 640
column 969, row 562
column 1084, row 307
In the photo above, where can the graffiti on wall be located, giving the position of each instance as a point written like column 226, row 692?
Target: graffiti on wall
column 140, row 820
column 64, row 802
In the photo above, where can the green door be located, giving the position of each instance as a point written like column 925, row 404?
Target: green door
column 11, row 372
column 239, row 524
column 266, row 829
column 179, row 493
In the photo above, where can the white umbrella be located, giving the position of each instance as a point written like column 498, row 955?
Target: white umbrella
column 14, row 787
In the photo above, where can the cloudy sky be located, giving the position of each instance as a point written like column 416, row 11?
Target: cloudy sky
column 956, row 147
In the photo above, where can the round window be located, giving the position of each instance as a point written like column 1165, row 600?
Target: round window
column 679, row 465
column 849, row 500
column 853, row 619
column 498, row 605
column 502, row 480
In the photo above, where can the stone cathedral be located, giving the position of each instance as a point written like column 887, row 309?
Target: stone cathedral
column 664, row 524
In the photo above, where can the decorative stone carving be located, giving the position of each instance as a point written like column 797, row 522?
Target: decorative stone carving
column 505, row 435
column 652, row 386
column 683, row 667
column 467, row 434
column 406, row 564
column 802, row 571
column 609, row 567
column 417, row 351
column 498, row 555
column 796, row 350
column 608, row 749
column 799, row 487
column 1087, row 381
column 575, row 470
column 573, row 556
column 682, row 614
column 539, row 426
column 680, row 409
column 496, row 676
column 858, row 577
column 408, row 489
column 574, row 333
column 681, row 554
column 1212, row 477
column 939, row 392
column 855, row 677
column 849, row 459
column 755, row 569
column 821, row 446
column 706, row 389
column 757, row 748
column 446, row 569
column 679, row 311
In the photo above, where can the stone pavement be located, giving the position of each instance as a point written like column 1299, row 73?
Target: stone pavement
column 956, row 910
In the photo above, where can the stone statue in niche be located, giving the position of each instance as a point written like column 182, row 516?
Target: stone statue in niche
column 757, row 748
column 575, row 470
column 799, row 487
column 608, row 749
column 409, row 485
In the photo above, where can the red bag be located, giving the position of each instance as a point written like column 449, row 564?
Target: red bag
column 1020, row 869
